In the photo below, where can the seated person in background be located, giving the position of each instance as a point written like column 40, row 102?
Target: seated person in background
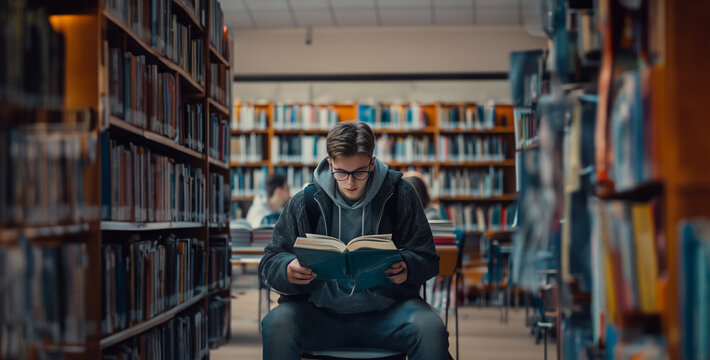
column 432, row 212
column 352, row 191
column 267, row 206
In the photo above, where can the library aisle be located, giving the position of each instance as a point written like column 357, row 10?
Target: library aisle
column 482, row 333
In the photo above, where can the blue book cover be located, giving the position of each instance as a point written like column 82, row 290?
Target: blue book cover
column 361, row 263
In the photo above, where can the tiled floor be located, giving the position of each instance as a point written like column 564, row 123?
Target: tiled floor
column 483, row 335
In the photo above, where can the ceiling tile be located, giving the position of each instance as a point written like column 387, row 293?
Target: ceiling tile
column 267, row 4
column 403, row 3
column 272, row 18
column 356, row 17
column 353, row 4
column 497, row 3
column 453, row 16
column 314, row 17
column 232, row 5
column 237, row 20
column 309, row 4
column 415, row 16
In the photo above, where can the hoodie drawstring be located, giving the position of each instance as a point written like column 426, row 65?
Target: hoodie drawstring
column 340, row 221
column 362, row 228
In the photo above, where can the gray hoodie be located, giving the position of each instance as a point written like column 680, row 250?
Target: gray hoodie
column 352, row 219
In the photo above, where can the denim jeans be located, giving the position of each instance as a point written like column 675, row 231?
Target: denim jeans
column 410, row 326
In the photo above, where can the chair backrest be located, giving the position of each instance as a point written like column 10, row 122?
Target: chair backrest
column 354, row 354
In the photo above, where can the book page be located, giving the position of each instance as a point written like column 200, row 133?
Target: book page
column 382, row 241
column 330, row 244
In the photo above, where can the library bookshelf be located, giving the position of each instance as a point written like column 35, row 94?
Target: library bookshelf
column 181, row 55
column 426, row 130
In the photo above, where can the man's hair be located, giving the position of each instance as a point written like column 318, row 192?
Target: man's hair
column 350, row 138
column 421, row 189
column 274, row 181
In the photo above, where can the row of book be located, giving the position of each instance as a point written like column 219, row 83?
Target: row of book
column 140, row 186
column 248, row 181
column 219, row 137
column 184, row 337
column 143, row 96
column 249, row 118
column 472, row 182
column 247, row 148
column 220, row 83
column 405, row 149
column 218, row 34
column 42, row 297
column 292, row 117
column 628, row 233
column 472, row 148
column 156, row 23
column 472, row 217
column 526, row 127
column 404, row 117
column 306, row 149
column 219, row 275
column 467, row 117
column 142, row 278
column 30, row 77
column 42, row 170
column 220, row 197
column 219, row 320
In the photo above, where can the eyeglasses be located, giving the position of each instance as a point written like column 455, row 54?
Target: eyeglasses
column 344, row 175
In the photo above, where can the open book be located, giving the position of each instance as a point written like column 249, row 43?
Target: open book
column 361, row 263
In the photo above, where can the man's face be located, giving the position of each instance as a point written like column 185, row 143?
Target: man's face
column 282, row 195
column 351, row 188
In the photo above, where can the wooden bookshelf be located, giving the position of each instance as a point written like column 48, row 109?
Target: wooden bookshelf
column 247, row 132
column 236, row 198
column 432, row 130
column 89, row 32
column 641, row 192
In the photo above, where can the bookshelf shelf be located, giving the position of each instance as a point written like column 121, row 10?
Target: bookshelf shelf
column 507, row 162
column 429, row 130
column 217, row 291
column 499, row 234
column 248, row 250
column 474, row 131
column 10, row 235
column 295, row 164
column 217, row 56
column 188, row 14
column 218, row 226
column 117, row 337
column 642, row 192
column 129, row 226
column 249, row 164
column 301, row 132
column 127, row 127
column 149, row 50
column 219, row 164
column 504, row 197
column 217, row 106
column 410, row 163
column 242, row 198
column 247, row 132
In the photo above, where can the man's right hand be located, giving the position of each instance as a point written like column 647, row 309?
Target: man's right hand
column 299, row 275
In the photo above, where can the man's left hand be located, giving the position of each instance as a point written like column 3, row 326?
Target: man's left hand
column 397, row 272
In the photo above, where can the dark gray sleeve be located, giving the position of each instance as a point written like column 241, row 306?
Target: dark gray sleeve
column 413, row 234
column 279, row 253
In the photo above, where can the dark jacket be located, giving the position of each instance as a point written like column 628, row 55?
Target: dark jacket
column 410, row 232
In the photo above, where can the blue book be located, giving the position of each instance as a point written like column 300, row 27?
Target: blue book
column 360, row 264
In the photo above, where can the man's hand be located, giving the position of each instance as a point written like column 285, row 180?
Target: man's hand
column 397, row 272
column 299, row 275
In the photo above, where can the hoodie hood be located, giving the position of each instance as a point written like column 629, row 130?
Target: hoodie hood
column 325, row 180
column 351, row 219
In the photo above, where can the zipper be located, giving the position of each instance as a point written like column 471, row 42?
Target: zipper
column 382, row 211
column 322, row 214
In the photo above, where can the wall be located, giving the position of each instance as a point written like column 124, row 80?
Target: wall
column 378, row 50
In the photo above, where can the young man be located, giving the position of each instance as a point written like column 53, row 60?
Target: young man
column 276, row 196
column 352, row 190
